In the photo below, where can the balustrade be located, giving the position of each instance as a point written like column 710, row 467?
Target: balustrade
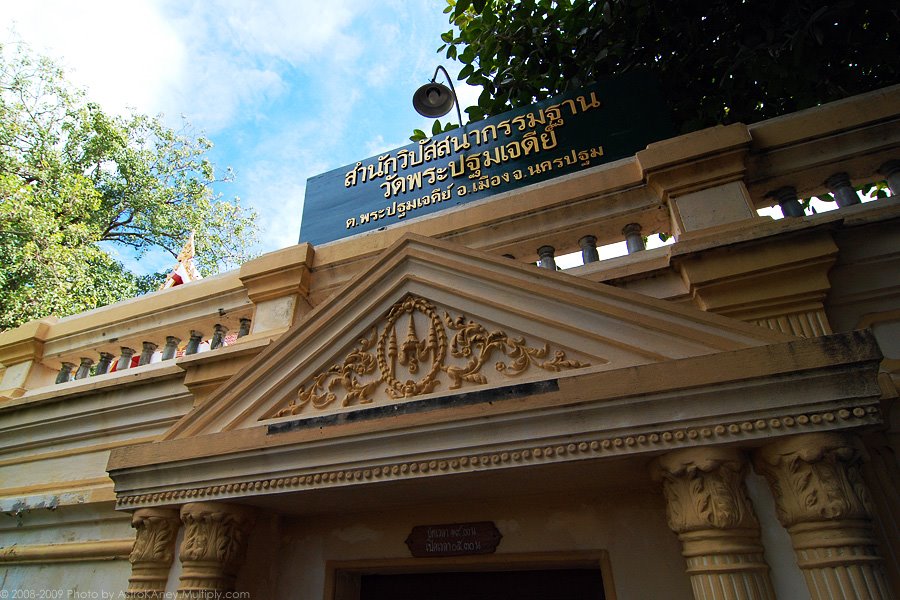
column 150, row 353
column 786, row 196
column 702, row 184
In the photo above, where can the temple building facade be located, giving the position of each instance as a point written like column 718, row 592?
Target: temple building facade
column 435, row 409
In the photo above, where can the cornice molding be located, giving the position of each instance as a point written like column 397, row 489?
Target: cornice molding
column 519, row 455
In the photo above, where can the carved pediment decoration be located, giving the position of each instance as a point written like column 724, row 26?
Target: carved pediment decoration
column 416, row 364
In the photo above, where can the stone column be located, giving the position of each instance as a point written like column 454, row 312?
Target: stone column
column 707, row 506
column 824, row 504
column 153, row 551
column 214, row 546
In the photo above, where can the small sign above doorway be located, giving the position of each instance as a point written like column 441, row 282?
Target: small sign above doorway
column 454, row 539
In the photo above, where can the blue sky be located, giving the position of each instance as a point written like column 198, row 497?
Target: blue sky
column 286, row 89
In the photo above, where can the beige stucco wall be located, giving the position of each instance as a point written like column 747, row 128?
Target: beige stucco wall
column 68, row 580
column 630, row 526
column 840, row 269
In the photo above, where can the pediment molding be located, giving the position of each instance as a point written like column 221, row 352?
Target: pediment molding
column 432, row 317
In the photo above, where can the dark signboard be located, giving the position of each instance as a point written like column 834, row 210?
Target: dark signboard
column 598, row 124
column 455, row 539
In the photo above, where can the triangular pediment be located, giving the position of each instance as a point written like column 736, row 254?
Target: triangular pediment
column 431, row 319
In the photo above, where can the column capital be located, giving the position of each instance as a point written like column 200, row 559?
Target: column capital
column 214, row 546
column 708, row 507
column 704, row 489
column 153, row 551
column 815, row 477
column 824, row 503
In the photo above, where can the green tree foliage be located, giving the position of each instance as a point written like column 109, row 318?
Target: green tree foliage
column 718, row 61
column 73, row 177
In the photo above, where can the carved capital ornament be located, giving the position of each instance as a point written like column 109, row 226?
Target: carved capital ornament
column 214, row 546
column 824, row 503
column 708, row 507
column 153, row 551
column 816, row 477
column 704, row 489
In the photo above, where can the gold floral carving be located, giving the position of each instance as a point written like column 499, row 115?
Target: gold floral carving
column 413, row 366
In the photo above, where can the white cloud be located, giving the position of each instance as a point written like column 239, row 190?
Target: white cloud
column 219, row 92
column 242, row 52
column 290, row 30
column 376, row 145
column 126, row 54
column 287, row 89
column 277, row 193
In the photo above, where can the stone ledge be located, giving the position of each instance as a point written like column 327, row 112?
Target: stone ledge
column 67, row 552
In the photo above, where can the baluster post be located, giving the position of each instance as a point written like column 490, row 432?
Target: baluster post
column 194, row 343
column 589, row 252
column 148, row 348
column 218, row 338
column 547, row 260
column 245, row 327
column 634, row 241
column 787, row 199
column 891, row 172
column 844, row 194
column 65, row 372
column 125, row 358
column 104, row 363
column 84, row 369
column 171, row 347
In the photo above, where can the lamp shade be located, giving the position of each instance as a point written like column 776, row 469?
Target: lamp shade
column 433, row 100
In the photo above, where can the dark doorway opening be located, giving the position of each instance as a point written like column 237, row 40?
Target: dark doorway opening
column 549, row 584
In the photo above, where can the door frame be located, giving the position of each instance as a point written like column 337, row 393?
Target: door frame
column 342, row 578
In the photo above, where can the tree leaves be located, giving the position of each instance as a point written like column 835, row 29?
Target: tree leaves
column 73, row 178
column 717, row 62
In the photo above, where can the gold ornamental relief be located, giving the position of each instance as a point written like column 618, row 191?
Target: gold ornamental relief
column 407, row 364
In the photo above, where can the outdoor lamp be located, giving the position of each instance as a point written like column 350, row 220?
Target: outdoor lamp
column 435, row 99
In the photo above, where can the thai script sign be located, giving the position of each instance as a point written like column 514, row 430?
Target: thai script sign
column 457, row 539
column 598, row 124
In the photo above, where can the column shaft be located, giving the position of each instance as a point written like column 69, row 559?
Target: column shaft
column 824, row 504
column 708, row 507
